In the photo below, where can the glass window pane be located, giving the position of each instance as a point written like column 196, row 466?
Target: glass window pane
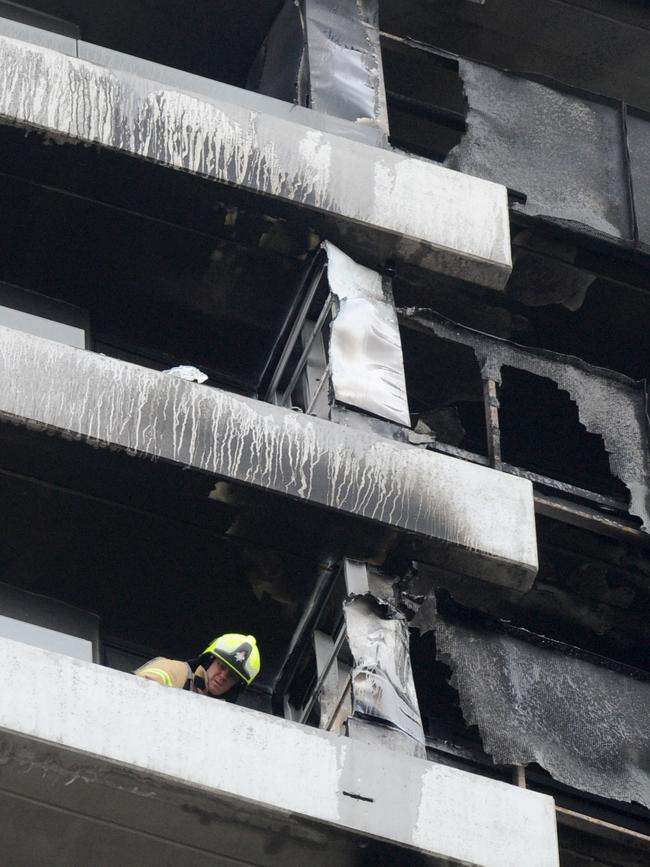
column 47, row 639
column 42, row 327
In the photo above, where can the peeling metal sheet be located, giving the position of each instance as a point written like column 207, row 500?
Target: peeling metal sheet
column 365, row 349
column 586, row 725
column 345, row 68
column 609, row 403
column 638, row 132
column 399, row 207
column 564, row 153
column 382, row 679
column 217, row 91
column 487, row 515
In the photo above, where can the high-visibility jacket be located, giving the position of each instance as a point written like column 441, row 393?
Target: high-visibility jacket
column 174, row 673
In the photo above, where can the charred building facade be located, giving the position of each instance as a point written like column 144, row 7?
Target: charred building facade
column 326, row 322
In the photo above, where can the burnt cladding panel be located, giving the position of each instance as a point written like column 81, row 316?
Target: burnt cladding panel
column 563, row 152
column 533, row 704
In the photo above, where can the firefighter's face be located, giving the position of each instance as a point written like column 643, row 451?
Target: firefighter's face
column 219, row 678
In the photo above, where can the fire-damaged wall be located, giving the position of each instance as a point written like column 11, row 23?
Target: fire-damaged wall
column 608, row 403
column 577, row 161
column 582, row 722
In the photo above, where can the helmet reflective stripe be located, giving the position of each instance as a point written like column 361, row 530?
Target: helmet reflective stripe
column 239, row 652
column 166, row 679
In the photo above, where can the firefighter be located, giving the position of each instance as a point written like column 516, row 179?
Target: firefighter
column 225, row 667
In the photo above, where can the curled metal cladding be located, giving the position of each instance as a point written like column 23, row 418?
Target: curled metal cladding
column 585, row 724
column 564, row 153
column 609, row 404
column 488, row 516
column 345, row 68
column 400, row 207
column 365, row 347
column 382, row 680
column 638, row 131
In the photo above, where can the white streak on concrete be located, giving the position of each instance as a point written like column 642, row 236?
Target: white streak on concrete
column 426, row 207
column 146, row 412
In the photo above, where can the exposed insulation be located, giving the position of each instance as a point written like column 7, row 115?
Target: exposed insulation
column 586, row 725
column 563, row 152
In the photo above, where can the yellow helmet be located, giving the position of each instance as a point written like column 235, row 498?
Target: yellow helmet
column 238, row 652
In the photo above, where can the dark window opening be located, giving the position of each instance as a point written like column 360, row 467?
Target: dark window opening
column 426, row 105
column 43, row 317
column 567, row 305
column 445, row 390
column 449, row 739
column 43, row 622
column 219, row 44
column 167, row 272
column 541, row 432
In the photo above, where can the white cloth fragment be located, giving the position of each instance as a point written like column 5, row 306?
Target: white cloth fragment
column 185, row 371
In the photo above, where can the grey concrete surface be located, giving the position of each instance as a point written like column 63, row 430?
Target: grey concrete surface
column 102, row 768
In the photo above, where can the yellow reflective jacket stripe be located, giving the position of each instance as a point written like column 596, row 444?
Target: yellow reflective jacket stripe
column 166, row 679
column 172, row 672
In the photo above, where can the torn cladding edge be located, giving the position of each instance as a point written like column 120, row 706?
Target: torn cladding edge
column 609, row 404
column 533, row 703
column 383, row 689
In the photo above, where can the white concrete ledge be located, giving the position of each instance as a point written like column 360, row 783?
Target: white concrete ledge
column 81, row 738
column 373, row 199
column 484, row 519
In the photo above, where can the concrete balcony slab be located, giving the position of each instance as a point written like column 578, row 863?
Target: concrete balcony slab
column 483, row 519
column 104, row 768
column 374, row 202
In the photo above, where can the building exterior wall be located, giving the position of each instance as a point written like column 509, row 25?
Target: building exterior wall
column 164, row 776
